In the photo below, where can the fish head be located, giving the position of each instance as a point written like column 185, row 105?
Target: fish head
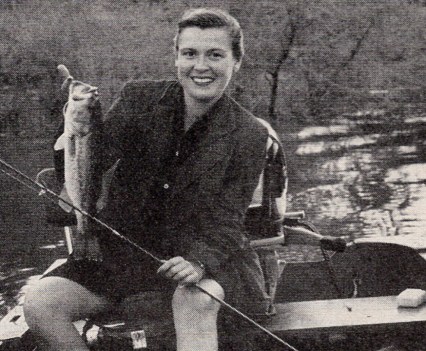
column 84, row 93
column 81, row 92
column 83, row 110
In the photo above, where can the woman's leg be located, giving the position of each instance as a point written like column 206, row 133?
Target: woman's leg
column 195, row 316
column 53, row 305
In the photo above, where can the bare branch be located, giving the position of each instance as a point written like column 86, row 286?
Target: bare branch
column 355, row 50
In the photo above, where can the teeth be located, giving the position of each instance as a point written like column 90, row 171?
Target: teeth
column 202, row 80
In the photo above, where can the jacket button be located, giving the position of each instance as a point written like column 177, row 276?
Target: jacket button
column 166, row 186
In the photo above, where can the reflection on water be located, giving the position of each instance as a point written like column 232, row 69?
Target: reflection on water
column 310, row 132
column 361, row 184
column 345, row 143
column 412, row 173
column 356, row 178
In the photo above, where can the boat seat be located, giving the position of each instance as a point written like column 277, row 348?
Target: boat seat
column 362, row 270
column 53, row 213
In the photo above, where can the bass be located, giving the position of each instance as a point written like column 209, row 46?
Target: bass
column 81, row 144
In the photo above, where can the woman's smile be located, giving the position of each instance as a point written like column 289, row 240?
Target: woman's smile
column 202, row 81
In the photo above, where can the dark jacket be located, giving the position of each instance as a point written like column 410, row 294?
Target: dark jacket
column 205, row 210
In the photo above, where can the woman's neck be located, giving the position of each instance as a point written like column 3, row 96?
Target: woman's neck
column 195, row 109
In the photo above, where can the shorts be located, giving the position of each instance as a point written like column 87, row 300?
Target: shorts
column 113, row 280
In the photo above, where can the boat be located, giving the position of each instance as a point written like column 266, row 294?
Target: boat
column 346, row 301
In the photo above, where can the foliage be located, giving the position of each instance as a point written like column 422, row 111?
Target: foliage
column 305, row 60
column 328, row 55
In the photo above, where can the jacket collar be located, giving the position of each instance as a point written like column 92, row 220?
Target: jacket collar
column 210, row 150
column 221, row 121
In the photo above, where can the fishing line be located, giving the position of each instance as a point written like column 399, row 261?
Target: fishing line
column 45, row 191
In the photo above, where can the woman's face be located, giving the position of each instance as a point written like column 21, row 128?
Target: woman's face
column 205, row 63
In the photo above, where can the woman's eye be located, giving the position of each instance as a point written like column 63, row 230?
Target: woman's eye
column 216, row 55
column 188, row 54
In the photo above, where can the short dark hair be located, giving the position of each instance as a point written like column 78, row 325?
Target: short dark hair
column 213, row 18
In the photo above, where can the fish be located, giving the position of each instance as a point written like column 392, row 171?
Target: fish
column 82, row 166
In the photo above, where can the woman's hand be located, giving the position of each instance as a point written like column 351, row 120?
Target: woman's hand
column 182, row 271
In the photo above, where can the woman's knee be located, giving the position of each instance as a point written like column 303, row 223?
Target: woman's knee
column 41, row 301
column 60, row 299
column 196, row 300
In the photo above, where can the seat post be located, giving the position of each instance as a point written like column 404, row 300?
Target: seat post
column 269, row 261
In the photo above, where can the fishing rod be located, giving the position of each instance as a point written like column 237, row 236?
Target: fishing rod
column 43, row 190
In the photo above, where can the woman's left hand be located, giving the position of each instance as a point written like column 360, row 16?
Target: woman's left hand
column 182, row 271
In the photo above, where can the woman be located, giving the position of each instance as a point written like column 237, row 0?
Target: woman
column 189, row 161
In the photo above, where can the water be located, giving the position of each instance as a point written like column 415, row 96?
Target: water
column 356, row 178
column 28, row 245
column 362, row 178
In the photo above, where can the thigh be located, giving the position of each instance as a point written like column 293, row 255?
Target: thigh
column 65, row 297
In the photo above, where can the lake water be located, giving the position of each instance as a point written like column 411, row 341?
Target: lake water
column 361, row 176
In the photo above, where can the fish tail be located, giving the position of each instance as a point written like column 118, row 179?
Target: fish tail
column 93, row 250
column 78, row 245
column 85, row 245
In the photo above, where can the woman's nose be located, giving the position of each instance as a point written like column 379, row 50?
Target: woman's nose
column 201, row 63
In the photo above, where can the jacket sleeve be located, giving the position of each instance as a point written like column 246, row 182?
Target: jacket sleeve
column 220, row 217
column 127, row 119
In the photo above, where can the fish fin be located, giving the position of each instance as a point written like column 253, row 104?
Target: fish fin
column 64, row 195
column 105, row 187
column 60, row 143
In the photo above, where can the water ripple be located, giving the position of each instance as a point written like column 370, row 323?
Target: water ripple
column 412, row 173
column 321, row 147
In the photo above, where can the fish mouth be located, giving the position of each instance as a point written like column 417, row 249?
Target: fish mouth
column 93, row 90
column 91, row 93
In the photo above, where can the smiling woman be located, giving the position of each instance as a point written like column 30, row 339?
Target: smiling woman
column 205, row 65
column 209, row 49
column 187, row 161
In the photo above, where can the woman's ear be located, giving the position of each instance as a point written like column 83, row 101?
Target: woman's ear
column 176, row 57
column 237, row 66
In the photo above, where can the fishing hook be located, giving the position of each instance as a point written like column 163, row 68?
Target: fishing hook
column 45, row 192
